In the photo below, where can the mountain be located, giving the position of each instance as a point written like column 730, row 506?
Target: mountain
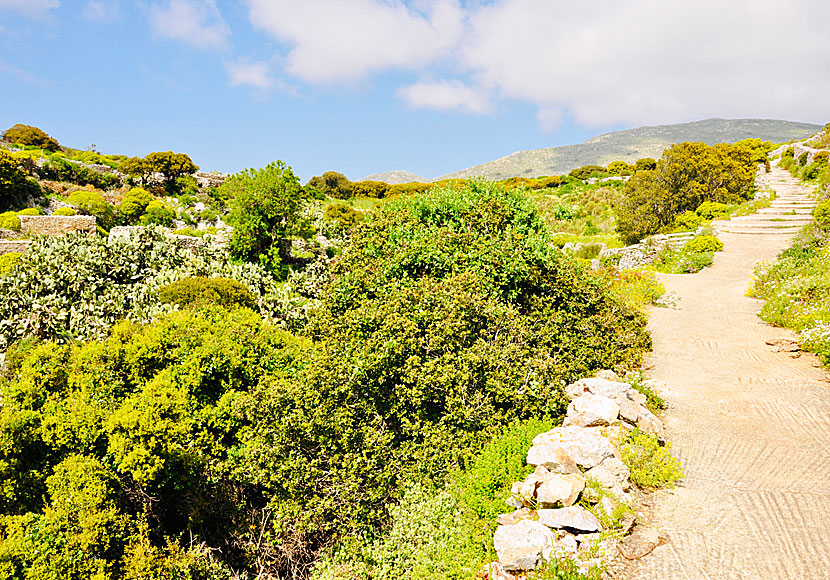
column 393, row 177
column 634, row 144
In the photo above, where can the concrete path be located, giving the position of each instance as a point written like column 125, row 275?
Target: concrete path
column 751, row 426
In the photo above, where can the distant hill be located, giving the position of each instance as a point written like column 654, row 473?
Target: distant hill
column 393, row 177
column 634, row 144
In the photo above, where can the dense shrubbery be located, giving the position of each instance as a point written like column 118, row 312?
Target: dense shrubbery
column 587, row 171
column 171, row 166
column 9, row 221
column 687, row 175
column 30, row 136
column 797, row 290
column 199, row 291
column 15, row 187
column 8, row 262
column 77, row 286
column 700, row 244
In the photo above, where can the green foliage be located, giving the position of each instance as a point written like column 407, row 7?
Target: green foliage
column 687, row 221
column 172, row 166
column 821, row 214
column 266, row 208
column 587, row 171
column 683, row 261
column 199, row 291
column 90, row 202
column 137, row 168
column 31, row 211
column 703, row 244
column 65, row 211
column 343, row 215
column 134, row 204
column 30, row 136
column 652, row 465
column 158, row 213
column 758, row 149
column 373, row 189
column 332, row 184
column 645, row 164
column 687, row 175
column 654, row 402
column 635, row 287
column 710, row 210
column 8, row 262
column 620, row 168
column 80, row 284
column 15, row 187
column 9, row 221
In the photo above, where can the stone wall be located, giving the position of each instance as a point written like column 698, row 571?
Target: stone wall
column 9, row 246
column 52, row 225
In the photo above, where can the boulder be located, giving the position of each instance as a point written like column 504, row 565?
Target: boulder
column 514, row 518
column 571, row 518
column 607, row 375
column 560, row 489
column 592, row 411
column 598, row 386
column 560, row 446
column 649, row 423
column 524, row 545
column 629, row 410
column 611, row 474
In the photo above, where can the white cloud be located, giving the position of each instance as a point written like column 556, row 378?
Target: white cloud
column 195, row 22
column 101, row 11
column 247, row 73
column 335, row 41
column 646, row 61
column 445, row 96
column 549, row 119
column 32, row 8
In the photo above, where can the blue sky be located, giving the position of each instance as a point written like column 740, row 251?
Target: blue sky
column 430, row 86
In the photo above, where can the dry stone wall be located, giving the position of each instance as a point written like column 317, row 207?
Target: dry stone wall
column 11, row 246
column 51, row 225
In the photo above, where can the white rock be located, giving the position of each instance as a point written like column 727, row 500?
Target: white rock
column 597, row 386
column 521, row 546
column 649, row 423
column 607, row 375
column 560, row 489
column 637, row 397
column 585, row 447
column 611, row 474
column 592, row 411
column 572, row 518
column 629, row 410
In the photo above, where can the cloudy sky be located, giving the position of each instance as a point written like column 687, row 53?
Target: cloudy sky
column 430, row 86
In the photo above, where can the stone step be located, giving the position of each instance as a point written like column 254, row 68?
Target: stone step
column 774, row 217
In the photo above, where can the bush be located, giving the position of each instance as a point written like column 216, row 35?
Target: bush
column 30, row 211
column 701, row 244
column 332, row 184
column 710, row 210
column 9, row 221
column 134, row 204
column 645, row 164
column 15, row 188
column 199, row 291
column 90, row 202
column 30, row 136
column 65, row 211
column 8, row 262
column 652, row 465
column 158, row 213
column 343, row 215
column 688, row 221
column 587, row 171
column 620, row 168
column 821, row 214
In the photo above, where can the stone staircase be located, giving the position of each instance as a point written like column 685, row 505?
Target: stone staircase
column 787, row 213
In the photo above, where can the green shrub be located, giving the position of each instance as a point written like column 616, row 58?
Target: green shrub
column 802, row 159
column 158, row 213
column 65, row 211
column 587, row 171
column 701, row 244
column 30, row 136
column 134, row 204
column 9, row 221
column 343, row 215
column 710, row 210
column 687, row 221
column 620, row 168
column 645, row 164
column 652, row 465
column 90, row 202
column 8, row 262
column 821, row 213
column 199, row 291
column 30, row 211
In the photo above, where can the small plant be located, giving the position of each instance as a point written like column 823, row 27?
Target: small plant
column 710, row 210
column 8, row 262
column 654, row 402
column 687, row 221
column 200, row 291
column 652, row 465
column 65, row 211
column 702, row 244
column 821, row 213
column 565, row 569
column 30, row 211
column 9, row 221
column 158, row 213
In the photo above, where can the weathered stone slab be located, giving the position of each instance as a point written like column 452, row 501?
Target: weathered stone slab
column 571, row 518
column 524, row 545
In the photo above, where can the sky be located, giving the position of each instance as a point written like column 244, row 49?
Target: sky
column 428, row 86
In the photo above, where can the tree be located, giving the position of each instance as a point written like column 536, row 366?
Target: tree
column 332, row 184
column 687, row 175
column 137, row 168
column 586, row 171
column 265, row 210
column 171, row 166
column 645, row 164
column 13, row 182
column 31, row 136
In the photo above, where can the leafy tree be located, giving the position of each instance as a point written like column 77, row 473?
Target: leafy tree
column 172, row 166
column 31, row 136
column 373, row 189
column 587, row 171
column 332, row 184
column 687, row 175
column 137, row 168
column 265, row 210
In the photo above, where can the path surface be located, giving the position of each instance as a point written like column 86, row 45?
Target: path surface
column 751, row 426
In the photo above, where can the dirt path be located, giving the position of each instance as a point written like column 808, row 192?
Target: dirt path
column 751, row 426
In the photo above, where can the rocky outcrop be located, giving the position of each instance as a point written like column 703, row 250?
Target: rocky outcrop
column 579, row 479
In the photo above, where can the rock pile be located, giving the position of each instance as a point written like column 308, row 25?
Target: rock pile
column 580, row 460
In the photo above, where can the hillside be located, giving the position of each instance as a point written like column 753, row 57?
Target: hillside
column 633, row 144
column 395, row 177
